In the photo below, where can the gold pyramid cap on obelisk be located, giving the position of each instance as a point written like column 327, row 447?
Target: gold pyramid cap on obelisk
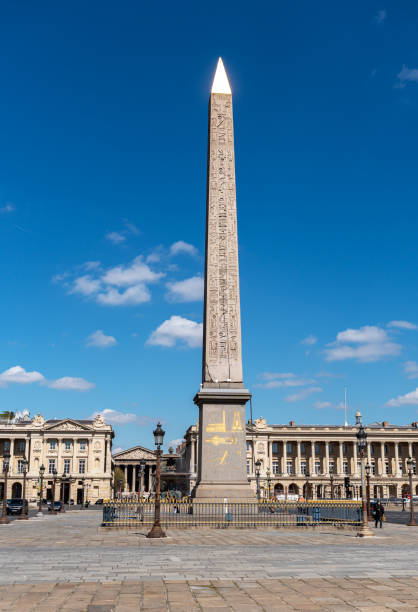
column 220, row 83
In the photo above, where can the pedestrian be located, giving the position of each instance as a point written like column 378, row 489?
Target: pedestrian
column 378, row 513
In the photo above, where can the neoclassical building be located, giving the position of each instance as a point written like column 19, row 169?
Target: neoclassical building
column 80, row 449
column 288, row 453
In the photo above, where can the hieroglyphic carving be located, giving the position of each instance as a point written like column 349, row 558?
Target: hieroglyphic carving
column 222, row 355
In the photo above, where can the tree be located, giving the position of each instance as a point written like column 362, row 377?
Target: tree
column 7, row 415
column 118, row 476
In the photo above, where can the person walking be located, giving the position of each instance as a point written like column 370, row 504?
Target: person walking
column 378, row 513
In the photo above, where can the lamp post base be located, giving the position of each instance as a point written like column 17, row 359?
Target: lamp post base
column 23, row 517
column 156, row 532
column 411, row 522
column 365, row 531
column 4, row 520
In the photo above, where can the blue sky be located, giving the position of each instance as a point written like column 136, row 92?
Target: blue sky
column 103, row 122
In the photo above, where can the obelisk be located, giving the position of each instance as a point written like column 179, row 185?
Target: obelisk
column 222, row 471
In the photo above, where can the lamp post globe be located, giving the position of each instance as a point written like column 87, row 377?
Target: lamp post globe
column 361, row 435
column 411, row 465
column 156, row 530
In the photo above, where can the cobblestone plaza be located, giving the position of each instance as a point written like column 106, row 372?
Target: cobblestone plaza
column 68, row 562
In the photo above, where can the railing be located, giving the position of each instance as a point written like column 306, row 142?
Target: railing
column 184, row 514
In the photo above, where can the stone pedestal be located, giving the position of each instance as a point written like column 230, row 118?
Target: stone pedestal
column 222, row 446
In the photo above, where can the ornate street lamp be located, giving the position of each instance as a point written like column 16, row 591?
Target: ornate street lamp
column 142, row 465
column 257, row 477
column 24, row 514
column 268, row 480
column 6, row 461
column 331, row 479
column 368, row 470
column 411, row 463
column 307, row 474
column 83, row 481
column 364, row 530
column 156, row 531
column 41, row 474
column 54, row 480
column 65, row 478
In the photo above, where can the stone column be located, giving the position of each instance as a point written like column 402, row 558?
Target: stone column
column 298, row 472
column 355, row 469
column 134, row 473
column 382, row 459
column 341, row 470
column 270, row 453
column 326, row 470
column 284, row 458
column 410, row 449
column 12, row 469
column 192, row 457
column 396, row 449
column 369, row 455
column 313, row 458
column 125, row 472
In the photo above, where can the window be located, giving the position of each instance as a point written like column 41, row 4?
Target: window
column 275, row 467
column 248, row 465
column 275, row 447
column 317, row 467
column 331, row 447
column 372, row 447
column 67, row 444
column 82, row 466
column 67, row 466
column 51, row 466
column 302, row 448
column 386, row 466
column 52, row 444
column 289, row 447
column 317, row 448
column 83, row 445
column 21, row 446
column 6, row 445
column 303, row 467
column 345, row 467
column 400, row 449
column 289, row 467
column 20, row 464
column 331, row 467
column 344, row 449
column 373, row 467
column 386, row 449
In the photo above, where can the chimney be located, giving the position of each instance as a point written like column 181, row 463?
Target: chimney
column 292, row 423
column 385, row 423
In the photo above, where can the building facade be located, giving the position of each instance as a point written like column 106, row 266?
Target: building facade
column 80, row 449
column 326, row 453
column 329, row 454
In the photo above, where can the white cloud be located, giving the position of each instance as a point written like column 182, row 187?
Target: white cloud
column 136, row 272
column 276, row 380
column 131, row 227
column 188, row 290
column 115, row 237
column 406, row 75
column 177, row 329
column 115, row 417
column 309, row 340
column 402, row 325
column 117, row 449
column 18, row 375
column 138, row 294
column 380, row 17
column 366, row 344
column 70, row 383
column 301, row 395
column 85, row 285
column 322, row 405
column 99, row 339
column 183, row 247
column 91, row 265
column 411, row 368
column 405, row 400
column 176, row 442
column 7, row 208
